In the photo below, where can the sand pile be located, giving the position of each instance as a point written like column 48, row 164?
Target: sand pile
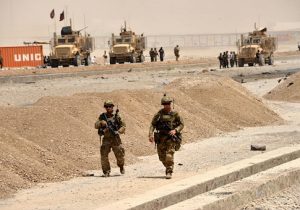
column 55, row 138
column 287, row 90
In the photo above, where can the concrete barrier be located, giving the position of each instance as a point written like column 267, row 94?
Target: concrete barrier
column 242, row 192
column 193, row 186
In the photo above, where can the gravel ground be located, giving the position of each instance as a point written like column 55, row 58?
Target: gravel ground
column 25, row 94
column 195, row 158
column 289, row 199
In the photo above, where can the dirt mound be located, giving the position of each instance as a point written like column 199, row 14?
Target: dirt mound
column 287, row 90
column 55, row 138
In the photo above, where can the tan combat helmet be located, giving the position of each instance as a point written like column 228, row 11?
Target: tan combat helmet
column 108, row 103
column 166, row 100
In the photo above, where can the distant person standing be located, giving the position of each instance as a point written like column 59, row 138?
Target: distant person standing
column 1, row 61
column 228, row 59
column 299, row 46
column 220, row 60
column 161, row 54
column 235, row 59
column 93, row 60
column 231, row 59
column 257, row 56
column 176, row 52
column 261, row 59
column 105, row 57
column 155, row 54
column 151, row 53
column 225, row 59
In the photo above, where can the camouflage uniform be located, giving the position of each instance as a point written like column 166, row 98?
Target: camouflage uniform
column 111, row 141
column 166, row 145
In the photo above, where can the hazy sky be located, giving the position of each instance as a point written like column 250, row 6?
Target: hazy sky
column 30, row 18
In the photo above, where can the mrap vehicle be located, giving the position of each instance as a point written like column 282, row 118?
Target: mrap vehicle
column 127, row 47
column 71, row 48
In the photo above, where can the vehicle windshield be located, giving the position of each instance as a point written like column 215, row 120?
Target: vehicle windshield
column 256, row 41
column 122, row 40
column 252, row 41
column 71, row 40
column 61, row 41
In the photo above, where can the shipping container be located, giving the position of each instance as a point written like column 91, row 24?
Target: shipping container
column 22, row 56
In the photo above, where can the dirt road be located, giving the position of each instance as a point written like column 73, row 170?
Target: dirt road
column 21, row 94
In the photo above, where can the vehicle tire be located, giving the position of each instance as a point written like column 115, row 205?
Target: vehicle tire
column 250, row 64
column 77, row 61
column 112, row 60
column 241, row 63
column 66, row 65
column 87, row 61
column 54, row 63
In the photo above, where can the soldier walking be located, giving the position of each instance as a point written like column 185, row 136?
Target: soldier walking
column 161, row 54
column 110, row 125
column 176, row 52
column 167, row 125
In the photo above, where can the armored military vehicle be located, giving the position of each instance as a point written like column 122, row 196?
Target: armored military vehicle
column 248, row 47
column 127, row 47
column 71, row 48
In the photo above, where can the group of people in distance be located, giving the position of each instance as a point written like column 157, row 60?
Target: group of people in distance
column 227, row 59
column 153, row 53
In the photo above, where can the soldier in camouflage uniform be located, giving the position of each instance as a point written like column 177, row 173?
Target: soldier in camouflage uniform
column 110, row 126
column 167, row 125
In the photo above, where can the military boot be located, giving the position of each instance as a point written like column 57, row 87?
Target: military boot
column 122, row 170
column 106, row 174
column 169, row 175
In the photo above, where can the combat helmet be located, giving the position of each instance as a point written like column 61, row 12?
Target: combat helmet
column 108, row 103
column 166, row 100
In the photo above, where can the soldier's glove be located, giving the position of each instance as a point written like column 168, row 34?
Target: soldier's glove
column 97, row 124
column 172, row 132
column 151, row 139
column 103, row 124
column 105, row 130
column 121, row 130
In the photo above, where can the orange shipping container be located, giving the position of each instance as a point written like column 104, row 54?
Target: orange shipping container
column 22, row 56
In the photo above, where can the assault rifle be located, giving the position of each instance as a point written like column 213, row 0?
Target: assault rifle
column 112, row 127
column 165, row 128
